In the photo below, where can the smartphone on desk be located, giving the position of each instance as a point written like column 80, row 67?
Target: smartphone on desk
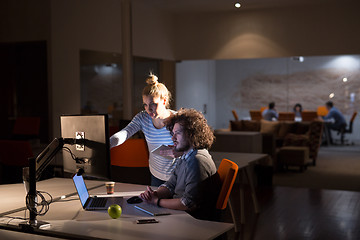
column 144, row 221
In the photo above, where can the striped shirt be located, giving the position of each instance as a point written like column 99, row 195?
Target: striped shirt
column 160, row 167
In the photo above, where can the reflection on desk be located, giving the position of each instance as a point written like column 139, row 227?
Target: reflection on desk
column 66, row 216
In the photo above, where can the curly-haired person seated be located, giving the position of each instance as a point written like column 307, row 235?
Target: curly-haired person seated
column 194, row 185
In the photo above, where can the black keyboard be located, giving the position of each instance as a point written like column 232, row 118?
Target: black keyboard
column 98, row 202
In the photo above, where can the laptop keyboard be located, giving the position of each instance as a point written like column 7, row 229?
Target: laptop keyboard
column 98, row 202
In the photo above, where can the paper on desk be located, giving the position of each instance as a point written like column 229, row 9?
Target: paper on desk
column 120, row 194
column 158, row 151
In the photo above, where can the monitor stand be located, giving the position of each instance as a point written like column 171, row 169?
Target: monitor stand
column 31, row 198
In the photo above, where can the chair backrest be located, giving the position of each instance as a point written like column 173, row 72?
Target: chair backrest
column 353, row 117
column 227, row 172
column 286, row 116
column 308, row 116
column 255, row 115
column 263, row 109
column 351, row 122
column 132, row 153
column 322, row 111
column 235, row 115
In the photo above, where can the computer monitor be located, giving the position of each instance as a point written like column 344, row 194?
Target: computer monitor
column 96, row 148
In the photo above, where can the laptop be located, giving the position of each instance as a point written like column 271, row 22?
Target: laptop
column 93, row 202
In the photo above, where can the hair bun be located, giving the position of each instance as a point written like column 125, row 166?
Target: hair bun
column 152, row 80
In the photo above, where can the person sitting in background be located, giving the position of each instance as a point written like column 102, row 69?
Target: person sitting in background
column 270, row 114
column 297, row 110
column 338, row 121
column 194, row 185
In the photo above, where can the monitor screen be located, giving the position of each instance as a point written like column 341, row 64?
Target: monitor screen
column 96, row 148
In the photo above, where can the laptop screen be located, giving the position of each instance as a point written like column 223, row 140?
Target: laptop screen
column 81, row 188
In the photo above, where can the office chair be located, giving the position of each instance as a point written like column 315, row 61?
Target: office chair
column 345, row 130
column 263, row 109
column 308, row 116
column 255, row 115
column 235, row 115
column 227, row 172
column 286, row 116
column 130, row 162
column 322, row 111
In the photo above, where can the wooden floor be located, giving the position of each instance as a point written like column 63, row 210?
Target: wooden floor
column 299, row 213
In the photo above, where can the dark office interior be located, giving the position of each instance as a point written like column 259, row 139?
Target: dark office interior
column 92, row 57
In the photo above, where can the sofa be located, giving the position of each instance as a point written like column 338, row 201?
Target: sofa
column 288, row 143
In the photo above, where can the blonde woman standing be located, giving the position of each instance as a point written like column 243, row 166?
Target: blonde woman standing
column 151, row 121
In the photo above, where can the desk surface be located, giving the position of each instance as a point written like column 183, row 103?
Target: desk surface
column 67, row 216
column 13, row 195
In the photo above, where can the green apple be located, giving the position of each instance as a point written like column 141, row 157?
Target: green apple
column 114, row 211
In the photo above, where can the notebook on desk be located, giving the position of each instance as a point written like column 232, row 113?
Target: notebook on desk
column 152, row 209
column 93, row 202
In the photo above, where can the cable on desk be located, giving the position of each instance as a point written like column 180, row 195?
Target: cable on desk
column 13, row 218
column 45, row 204
column 68, row 198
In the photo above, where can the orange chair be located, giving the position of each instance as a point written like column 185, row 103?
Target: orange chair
column 235, row 115
column 263, row 108
column 130, row 162
column 227, row 172
column 286, row 116
column 322, row 111
column 255, row 115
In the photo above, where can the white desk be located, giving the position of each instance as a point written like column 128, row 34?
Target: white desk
column 13, row 195
column 245, row 162
column 67, row 217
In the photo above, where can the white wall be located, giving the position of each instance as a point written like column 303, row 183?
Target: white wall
column 195, row 87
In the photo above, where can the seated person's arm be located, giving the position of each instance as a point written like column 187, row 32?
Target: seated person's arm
column 329, row 116
column 164, row 195
column 174, row 203
column 166, row 201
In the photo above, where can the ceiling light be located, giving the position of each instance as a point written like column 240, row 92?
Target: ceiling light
column 345, row 79
column 331, row 95
column 237, row 5
column 298, row 58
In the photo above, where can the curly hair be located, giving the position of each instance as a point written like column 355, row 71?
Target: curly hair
column 195, row 127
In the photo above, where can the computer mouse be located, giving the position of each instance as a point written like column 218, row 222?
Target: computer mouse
column 134, row 199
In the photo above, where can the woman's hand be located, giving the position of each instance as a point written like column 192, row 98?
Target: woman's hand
column 171, row 152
